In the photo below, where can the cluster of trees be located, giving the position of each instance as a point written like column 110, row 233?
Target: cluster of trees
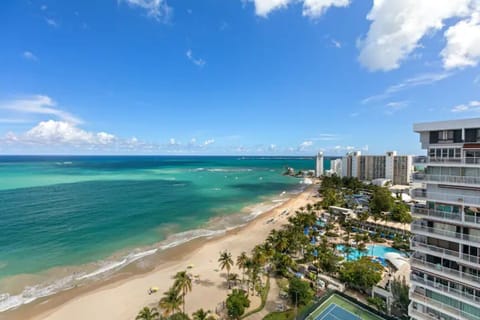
column 361, row 274
column 172, row 303
column 382, row 206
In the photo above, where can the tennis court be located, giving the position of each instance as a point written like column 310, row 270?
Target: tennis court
column 334, row 312
column 339, row 308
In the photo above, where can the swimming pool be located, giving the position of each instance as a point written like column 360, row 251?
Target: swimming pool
column 372, row 251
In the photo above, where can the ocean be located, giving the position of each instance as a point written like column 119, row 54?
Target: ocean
column 66, row 220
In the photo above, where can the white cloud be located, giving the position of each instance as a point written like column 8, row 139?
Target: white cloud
column 51, row 22
column 395, row 106
column 54, row 133
column 419, row 80
column 157, row 9
column 398, row 26
column 305, row 145
column 29, row 56
column 43, row 7
column 208, row 142
column 264, row 7
column 336, row 44
column 311, row 8
column 39, row 104
column 173, row 142
column 471, row 106
column 463, row 44
column 197, row 61
column 316, row 8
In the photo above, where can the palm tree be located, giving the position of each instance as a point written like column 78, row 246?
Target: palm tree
column 201, row 314
column 148, row 314
column 184, row 284
column 233, row 277
column 170, row 302
column 226, row 263
column 242, row 263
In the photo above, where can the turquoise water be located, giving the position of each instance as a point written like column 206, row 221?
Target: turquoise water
column 372, row 251
column 70, row 211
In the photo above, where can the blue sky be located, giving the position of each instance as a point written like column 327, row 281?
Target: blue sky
column 279, row 77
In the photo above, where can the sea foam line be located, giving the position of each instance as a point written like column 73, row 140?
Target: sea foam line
column 32, row 293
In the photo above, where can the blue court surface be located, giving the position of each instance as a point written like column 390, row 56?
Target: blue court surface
column 335, row 312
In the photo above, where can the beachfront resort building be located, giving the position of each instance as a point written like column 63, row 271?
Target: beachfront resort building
column 396, row 168
column 336, row 167
column 319, row 165
column 445, row 266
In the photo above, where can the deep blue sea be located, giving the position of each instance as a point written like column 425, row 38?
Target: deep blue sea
column 64, row 219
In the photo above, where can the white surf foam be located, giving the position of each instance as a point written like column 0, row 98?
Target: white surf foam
column 32, row 293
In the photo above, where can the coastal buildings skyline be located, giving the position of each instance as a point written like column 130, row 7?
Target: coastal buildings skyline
column 398, row 169
column 221, row 77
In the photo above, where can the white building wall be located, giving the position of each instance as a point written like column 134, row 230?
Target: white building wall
column 355, row 164
column 389, row 160
column 319, row 165
column 336, row 167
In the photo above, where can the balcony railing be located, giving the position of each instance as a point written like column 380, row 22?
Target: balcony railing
column 446, row 178
column 445, row 233
column 442, row 306
column 445, row 197
column 438, row 214
column 433, row 315
column 438, row 268
column 464, row 160
column 446, row 289
column 451, row 254
column 472, row 219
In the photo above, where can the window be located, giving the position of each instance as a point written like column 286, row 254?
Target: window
column 458, row 153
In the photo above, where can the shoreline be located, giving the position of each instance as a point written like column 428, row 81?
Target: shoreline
column 126, row 289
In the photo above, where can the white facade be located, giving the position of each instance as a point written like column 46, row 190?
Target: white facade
column 393, row 167
column 389, row 162
column 336, row 167
column 445, row 277
column 319, row 165
column 355, row 163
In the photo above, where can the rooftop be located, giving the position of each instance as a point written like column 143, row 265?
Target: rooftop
column 447, row 125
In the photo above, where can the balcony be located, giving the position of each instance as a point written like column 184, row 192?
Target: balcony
column 455, row 216
column 432, row 315
column 458, row 294
column 422, row 194
column 434, row 178
column 448, row 309
column 471, row 279
column 473, row 261
column 464, row 160
column 450, row 235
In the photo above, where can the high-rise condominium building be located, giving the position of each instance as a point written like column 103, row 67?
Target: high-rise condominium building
column 391, row 166
column 445, row 277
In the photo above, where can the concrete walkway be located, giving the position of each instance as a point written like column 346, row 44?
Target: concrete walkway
column 272, row 299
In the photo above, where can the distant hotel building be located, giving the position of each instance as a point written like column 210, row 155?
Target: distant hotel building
column 319, row 165
column 445, row 277
column 391, row 166
column 336, row 167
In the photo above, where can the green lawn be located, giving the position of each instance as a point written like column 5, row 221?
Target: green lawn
column 347, row 305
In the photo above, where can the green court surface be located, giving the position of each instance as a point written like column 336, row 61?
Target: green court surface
column 336, row 307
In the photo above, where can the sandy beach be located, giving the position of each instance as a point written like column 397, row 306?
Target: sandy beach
column 123, row 296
